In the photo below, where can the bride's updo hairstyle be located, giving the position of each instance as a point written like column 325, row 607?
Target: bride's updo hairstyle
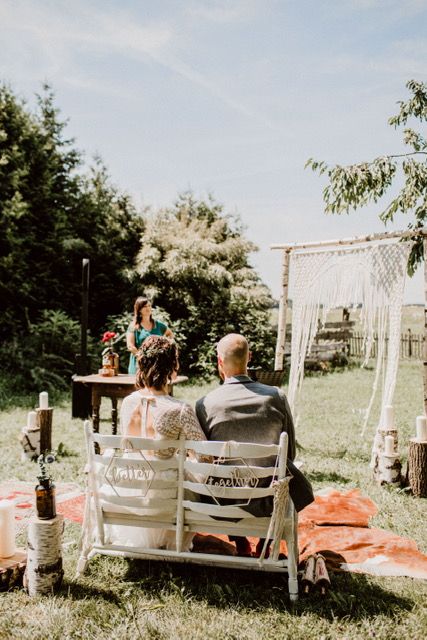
column 157, row 361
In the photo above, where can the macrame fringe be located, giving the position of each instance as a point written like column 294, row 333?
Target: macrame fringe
column 372, row 276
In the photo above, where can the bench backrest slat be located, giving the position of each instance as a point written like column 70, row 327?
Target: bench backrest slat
column 218, row 511
column 230, row 492
column 134, row 502
column 103, row 460
column 232, row 449
column 207, row 468
column 123, row 442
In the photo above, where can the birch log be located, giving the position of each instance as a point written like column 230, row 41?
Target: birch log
column 417, row 467
column 30, row 440
column 283, row 307
column 425, row 326
column 44, row 556
column 44, row 422
column 386, row 468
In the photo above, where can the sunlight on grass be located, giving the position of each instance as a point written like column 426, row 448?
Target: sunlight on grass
column 134, row 599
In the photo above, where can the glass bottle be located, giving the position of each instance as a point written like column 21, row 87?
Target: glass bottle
column 110, row 360
column 45, row 499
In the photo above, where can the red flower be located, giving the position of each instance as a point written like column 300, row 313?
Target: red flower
column 108, row 335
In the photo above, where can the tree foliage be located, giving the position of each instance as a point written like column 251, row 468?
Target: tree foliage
column 51, row 217
column 356, row 185
column 191, row 258
column 194, row 262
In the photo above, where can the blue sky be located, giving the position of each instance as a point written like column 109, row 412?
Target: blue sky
column 226, row 97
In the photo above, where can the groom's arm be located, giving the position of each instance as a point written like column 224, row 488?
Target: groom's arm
column 288, row 426
column 201, row 416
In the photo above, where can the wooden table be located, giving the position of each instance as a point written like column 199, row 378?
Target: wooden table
column 113, row 387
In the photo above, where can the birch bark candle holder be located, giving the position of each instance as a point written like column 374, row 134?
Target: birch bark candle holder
column 30, row 437
column 44, row 560
column 386, row 463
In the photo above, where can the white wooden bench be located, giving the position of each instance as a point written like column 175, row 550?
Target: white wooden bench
column 114, row 478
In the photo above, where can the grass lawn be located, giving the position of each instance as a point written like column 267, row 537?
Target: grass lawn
column 135, row 599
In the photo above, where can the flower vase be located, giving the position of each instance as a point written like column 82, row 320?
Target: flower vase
column 45, row 499
column 110, row 362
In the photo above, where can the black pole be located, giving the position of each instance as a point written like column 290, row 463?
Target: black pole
column 82, row 365
column 85, row 313
column 81, row 393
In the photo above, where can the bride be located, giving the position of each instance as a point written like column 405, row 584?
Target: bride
column 150, row 412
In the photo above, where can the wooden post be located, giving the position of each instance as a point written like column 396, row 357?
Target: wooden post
column 283, row 307
column 417, row 467
column 44, row 560
column 82, row 360
column 425, row 326
column 44, row 422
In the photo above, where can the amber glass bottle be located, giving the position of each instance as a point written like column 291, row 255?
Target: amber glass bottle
column 110, row 360
column 45, row 499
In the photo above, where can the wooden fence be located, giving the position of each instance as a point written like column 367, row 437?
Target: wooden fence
column 411, row 345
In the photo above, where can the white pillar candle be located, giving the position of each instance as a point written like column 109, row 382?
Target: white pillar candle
column 32, row 420
column 44, row 400
column 389, row 446
column 7, row 528
column 388, row 417
column 421, row 423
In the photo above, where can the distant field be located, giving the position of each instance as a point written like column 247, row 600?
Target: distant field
column 412, row 317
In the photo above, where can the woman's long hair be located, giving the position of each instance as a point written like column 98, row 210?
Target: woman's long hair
column 157, row 361
column 140, row 303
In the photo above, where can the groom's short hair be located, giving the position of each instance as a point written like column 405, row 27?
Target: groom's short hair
column 233, row 348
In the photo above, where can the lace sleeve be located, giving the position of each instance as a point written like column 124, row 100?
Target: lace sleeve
column 193, row 430
column 190, row 425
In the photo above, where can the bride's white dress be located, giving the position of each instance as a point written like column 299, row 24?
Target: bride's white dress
column 160, row 418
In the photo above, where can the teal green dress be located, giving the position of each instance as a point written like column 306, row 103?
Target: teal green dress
column 159, row 329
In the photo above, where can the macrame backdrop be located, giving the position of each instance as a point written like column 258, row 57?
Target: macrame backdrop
column 372, row 275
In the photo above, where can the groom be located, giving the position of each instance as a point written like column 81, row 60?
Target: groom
column 247, row 411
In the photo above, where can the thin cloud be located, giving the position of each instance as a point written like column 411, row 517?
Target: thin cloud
column 222, row 11
column 86, row 29
column 392, row 10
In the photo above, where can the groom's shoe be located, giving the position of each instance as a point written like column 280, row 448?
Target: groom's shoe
column 243, row 546
column 259, row 547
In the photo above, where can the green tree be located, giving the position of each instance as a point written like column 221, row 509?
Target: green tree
column 194, row 263
column 51, row 217
column 356, row 185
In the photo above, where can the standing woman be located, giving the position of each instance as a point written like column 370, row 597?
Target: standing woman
column 142, row 326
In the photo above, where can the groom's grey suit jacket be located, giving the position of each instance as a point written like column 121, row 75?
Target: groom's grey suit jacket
column 244, row 410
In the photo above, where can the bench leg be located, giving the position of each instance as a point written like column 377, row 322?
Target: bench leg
column 85, row 542
column 81, row 565
column 292, row 545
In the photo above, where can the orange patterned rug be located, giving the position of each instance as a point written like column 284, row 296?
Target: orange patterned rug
column 335, row 525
